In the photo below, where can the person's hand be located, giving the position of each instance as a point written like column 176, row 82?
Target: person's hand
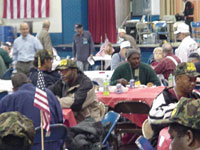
column 123, row 81
column 150, row 84
column 91, row 55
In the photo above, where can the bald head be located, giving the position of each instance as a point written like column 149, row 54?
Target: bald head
column 46, row 24
column 167, row 48
column 24, row 29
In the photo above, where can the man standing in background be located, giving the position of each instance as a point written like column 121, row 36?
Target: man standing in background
column 83, row 47
column 126, row 37
column 188, row 13
column 44, row 37
column 24, row 49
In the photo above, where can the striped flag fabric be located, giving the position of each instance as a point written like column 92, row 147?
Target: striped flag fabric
column 22, row 9
column 41, row 101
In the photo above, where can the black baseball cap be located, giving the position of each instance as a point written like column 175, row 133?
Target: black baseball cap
column 78, row 26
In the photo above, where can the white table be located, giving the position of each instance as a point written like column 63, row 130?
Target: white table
column 6, row 85
column 99, row 76
column 106, row 58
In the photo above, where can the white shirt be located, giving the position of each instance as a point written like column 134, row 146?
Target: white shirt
column 187, row 46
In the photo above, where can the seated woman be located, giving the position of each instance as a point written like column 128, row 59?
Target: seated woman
column 105, row 50
column 43, row 60
column 157, row 56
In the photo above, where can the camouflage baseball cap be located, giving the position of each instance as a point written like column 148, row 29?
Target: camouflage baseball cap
column 16, row 124
column 65, row 64
column 188, row 69
column 44, row 54
column 186, row 113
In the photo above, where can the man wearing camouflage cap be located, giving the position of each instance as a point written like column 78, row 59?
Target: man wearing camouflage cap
column 184, row 125
column 76, row 91
column 43, row 60
column 185, row 78
column 17, row 132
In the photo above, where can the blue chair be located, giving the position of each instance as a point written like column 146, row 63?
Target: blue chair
column 56, row 139
column 143, row 144
column 110, row 117
column 195, row 31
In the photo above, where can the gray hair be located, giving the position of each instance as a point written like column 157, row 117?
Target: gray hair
column 167, row 48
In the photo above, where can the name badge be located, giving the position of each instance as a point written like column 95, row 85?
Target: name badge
column 85, row 41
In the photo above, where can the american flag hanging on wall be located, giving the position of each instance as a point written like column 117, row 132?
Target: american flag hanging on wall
column 41, row 101
column 21, row 9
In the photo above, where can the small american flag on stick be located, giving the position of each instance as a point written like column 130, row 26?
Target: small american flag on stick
column 41, row 102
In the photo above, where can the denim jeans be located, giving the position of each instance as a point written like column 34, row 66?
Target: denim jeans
column 83, row 66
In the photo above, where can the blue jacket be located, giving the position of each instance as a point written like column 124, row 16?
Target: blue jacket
column 22, row 101
column 49, row 77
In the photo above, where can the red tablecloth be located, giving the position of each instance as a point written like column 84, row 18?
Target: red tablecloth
column 145, row 94
column 68, row 116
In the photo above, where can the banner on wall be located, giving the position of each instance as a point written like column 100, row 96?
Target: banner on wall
column 21, row 9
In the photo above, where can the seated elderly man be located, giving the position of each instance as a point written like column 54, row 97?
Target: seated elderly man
column 120, row 57
column 76, row 91
column 134, row 69
column 165, row 102
column 43, row 60
column 184, row 124
column 17, row 132
column 22, row 101
column 188, row 45
column 167, row 65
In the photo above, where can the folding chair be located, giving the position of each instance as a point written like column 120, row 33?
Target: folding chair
column 142, row 29
column 170, row 20
column 110, row 117
column 147, row 130
column 55, row 141
column 130, row 107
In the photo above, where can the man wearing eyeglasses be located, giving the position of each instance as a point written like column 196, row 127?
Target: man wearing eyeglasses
column 166, row 101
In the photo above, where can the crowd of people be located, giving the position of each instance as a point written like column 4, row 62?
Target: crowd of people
column 68, row 87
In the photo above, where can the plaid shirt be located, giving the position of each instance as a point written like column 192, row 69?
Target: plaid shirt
column 166, row 66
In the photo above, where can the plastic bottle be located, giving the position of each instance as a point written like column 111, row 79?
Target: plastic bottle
column 105, row 87
column 170, row 80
